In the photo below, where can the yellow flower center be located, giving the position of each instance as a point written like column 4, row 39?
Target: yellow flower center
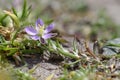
column 41, row 30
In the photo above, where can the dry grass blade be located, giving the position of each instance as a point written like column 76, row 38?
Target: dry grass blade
column 89, row 51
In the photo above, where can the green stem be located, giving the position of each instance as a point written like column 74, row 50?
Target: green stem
column 14, row 35
column 68, row 54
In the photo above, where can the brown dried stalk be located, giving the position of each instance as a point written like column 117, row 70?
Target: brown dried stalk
column 89, row 51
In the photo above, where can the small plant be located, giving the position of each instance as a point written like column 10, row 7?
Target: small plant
column 20, row 37
column 15, row 42
column 7, row 72
column 82, row 74
column 39, row 32
column 14, row 74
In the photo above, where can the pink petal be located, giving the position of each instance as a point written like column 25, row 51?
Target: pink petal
column 35, row 37
column 30, row 30
column 39, row 22
column 49, row 35
column 49, row 28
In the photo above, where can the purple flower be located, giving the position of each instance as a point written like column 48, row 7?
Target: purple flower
column 39, row 32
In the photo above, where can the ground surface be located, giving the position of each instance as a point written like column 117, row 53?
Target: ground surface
column 69, row 22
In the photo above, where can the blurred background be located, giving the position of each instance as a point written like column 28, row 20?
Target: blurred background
column 91, row 19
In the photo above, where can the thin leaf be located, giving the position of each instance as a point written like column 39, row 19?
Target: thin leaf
column 14, row 11
column 29, row 11
column 14, row 18
column 14, row 34
column 11, row 51
column 24, row 11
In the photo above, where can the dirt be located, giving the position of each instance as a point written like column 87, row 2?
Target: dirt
column 42, row 68
column 46, row 69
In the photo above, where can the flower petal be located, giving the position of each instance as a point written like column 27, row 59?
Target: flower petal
column 30, row 30
column 39, row 22
column 42, row 41
column 49, row 28
column 35, row 37
column 49, row 35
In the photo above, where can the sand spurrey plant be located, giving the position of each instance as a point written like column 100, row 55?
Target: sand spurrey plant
column 40, row 32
